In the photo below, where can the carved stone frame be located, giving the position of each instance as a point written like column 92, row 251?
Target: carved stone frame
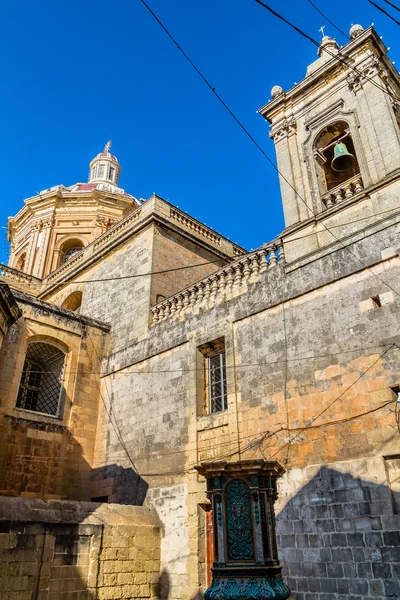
column 314, row 127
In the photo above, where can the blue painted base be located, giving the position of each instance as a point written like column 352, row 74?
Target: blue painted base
column 247, row 588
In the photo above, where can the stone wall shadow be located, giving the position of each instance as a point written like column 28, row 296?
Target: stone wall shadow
column 119, row 485
column 47, row 544
column 339, row 538
column 163, row 585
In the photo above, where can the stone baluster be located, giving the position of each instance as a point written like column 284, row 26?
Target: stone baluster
column 281, row 253
column 214, row 287
column 229, row 278
column 161, row 312
column 155, row 311
column 193, row 296
column 238, row 275
column 263, row 259
column 358, row 185
column 186, row 301
column 348, row 192
column 200, row 292
column 273, row 259
column 173, row 306
column 255, row 265
column 221, row 282
column 338, row 196
column 330, row 201
column 246, row 270
column 167, row 309
column 207, row 290
column 179, row 304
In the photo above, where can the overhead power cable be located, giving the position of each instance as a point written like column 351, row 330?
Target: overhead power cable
column 328, row 20
column 334, row 401
column 392, row 5
column 287, row 241
column 385, row 12
column 257, row 440
column 337, row 56
column 237, row 120
column 123, row 370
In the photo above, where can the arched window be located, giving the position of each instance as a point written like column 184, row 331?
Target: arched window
column 40, row 386
column 69, row 248
column 337, row 166
column 73, row 301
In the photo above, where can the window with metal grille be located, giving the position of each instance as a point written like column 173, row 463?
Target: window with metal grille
column 41, row 381
column 216, row 376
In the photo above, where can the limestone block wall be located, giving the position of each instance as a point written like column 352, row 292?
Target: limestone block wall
column 338, row 530
column 312, row 372
column 172, row 251
column 48, row 456
column 76, row 551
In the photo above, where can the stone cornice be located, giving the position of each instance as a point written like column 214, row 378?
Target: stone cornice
column 153, row 211
column 299, row 89
column 8, row 306
column 23, row 298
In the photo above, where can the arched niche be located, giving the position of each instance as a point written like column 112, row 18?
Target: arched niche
column 73, row 301
column 21, row 262
column 324, row 151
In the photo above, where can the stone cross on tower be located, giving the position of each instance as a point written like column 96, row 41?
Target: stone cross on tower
column 321, row 29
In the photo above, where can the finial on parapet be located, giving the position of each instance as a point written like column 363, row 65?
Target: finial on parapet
column 107, row 147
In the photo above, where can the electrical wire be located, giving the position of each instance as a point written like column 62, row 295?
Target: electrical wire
column 335, row 400
column 337, row 56
column 245, row 130
column 249, row 446
column 121, row 371
column 392, row 5
column 385, row 12
column 329, row 21
column 295, row 239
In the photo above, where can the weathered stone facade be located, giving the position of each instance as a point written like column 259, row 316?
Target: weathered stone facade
column 307, row 324
column 59, row 550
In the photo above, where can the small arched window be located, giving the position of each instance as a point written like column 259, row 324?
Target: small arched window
column 70, row 253
column 337, row 166
column 73, row 301
column 41, row 381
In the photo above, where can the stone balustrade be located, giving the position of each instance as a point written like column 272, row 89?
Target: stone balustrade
column 19, row 280
column 213, row 288
column 344, row 191
column 60, row 272
column 97, row 244
column 117, row 229
column 195, row 226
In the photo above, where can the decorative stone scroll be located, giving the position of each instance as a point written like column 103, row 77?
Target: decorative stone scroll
column 246, row 565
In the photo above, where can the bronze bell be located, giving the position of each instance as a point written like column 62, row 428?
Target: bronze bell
column 342, row 160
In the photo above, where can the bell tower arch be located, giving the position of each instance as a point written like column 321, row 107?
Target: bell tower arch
column 337, row 141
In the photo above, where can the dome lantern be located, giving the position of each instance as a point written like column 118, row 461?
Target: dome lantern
column 105, row 168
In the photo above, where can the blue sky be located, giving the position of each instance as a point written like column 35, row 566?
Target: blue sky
column 76, row 74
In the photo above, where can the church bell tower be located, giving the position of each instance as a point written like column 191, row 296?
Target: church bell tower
column 337, row 142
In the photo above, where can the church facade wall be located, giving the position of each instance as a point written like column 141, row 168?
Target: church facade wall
column 43, row 455
column 298, row 342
